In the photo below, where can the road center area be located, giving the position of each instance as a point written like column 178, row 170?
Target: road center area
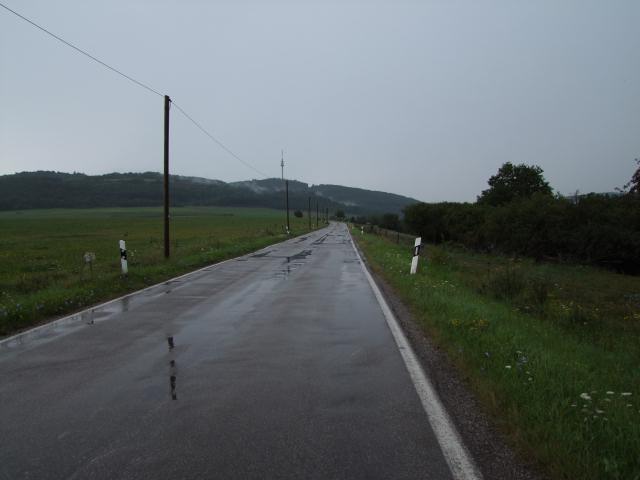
column 278, row 364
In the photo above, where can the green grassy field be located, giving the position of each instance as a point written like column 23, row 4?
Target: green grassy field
column 43, row 273
column 552, row 351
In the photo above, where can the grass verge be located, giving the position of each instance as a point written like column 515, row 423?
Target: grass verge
column 552, row 351
column 43, row 273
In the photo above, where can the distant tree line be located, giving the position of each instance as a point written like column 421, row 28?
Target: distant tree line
column 63, row 190
column 518, row 214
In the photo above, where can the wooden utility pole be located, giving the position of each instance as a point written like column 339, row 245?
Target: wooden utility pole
column 286, row 187
column 309, row 213
column 286, row 191
column 167, row 104
column 316, row 213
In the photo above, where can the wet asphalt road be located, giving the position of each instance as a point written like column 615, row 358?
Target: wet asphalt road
column 275, row 365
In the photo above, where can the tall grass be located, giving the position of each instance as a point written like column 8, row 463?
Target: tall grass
column 552, row 351
column 43, row 273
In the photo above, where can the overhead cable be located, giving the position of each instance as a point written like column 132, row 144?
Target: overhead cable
column 137, row 82
column 218, row 142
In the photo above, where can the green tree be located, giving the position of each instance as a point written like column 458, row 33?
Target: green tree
column 390, row 221
column 340, row 214
column 514, row 181
column 633, row 187
column 298, row 213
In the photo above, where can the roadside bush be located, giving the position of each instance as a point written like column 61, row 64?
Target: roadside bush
column 504, row 283
column 437, row 256
column 596, row 229
column 537, row 293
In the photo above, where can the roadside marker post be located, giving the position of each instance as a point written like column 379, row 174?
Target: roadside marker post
column 123, row 257
column 416, row 254
column 89, row 258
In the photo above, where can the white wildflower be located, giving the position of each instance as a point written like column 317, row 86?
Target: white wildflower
column 585, row 396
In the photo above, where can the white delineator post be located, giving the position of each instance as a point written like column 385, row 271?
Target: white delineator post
column 123, row 257
column 416, row 254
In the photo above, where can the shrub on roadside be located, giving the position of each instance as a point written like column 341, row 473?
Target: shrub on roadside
column 596, row 229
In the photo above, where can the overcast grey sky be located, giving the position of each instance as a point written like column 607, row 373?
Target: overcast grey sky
column 424, row 98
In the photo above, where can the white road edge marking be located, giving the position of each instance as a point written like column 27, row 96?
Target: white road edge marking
column 455, row 453
column 67, row 318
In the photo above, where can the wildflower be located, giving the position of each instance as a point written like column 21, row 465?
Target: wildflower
column 507, row 366
column 599, row 411
column 585, row 396
column 626, row 394
column 609, row 392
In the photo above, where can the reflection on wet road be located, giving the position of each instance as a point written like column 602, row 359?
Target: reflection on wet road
column 286, row 366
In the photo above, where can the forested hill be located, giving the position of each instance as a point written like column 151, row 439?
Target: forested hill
column 64, row 190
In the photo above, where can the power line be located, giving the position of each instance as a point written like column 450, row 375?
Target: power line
column 137, row 82
column 218, row 142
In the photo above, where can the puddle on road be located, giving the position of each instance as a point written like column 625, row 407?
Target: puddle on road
column 301, row 255
column 172, row 384
column 173, row 375
column 173, row 371
column 172, row 380
column 284, row 273
column 290, row 265
column 69, row 323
